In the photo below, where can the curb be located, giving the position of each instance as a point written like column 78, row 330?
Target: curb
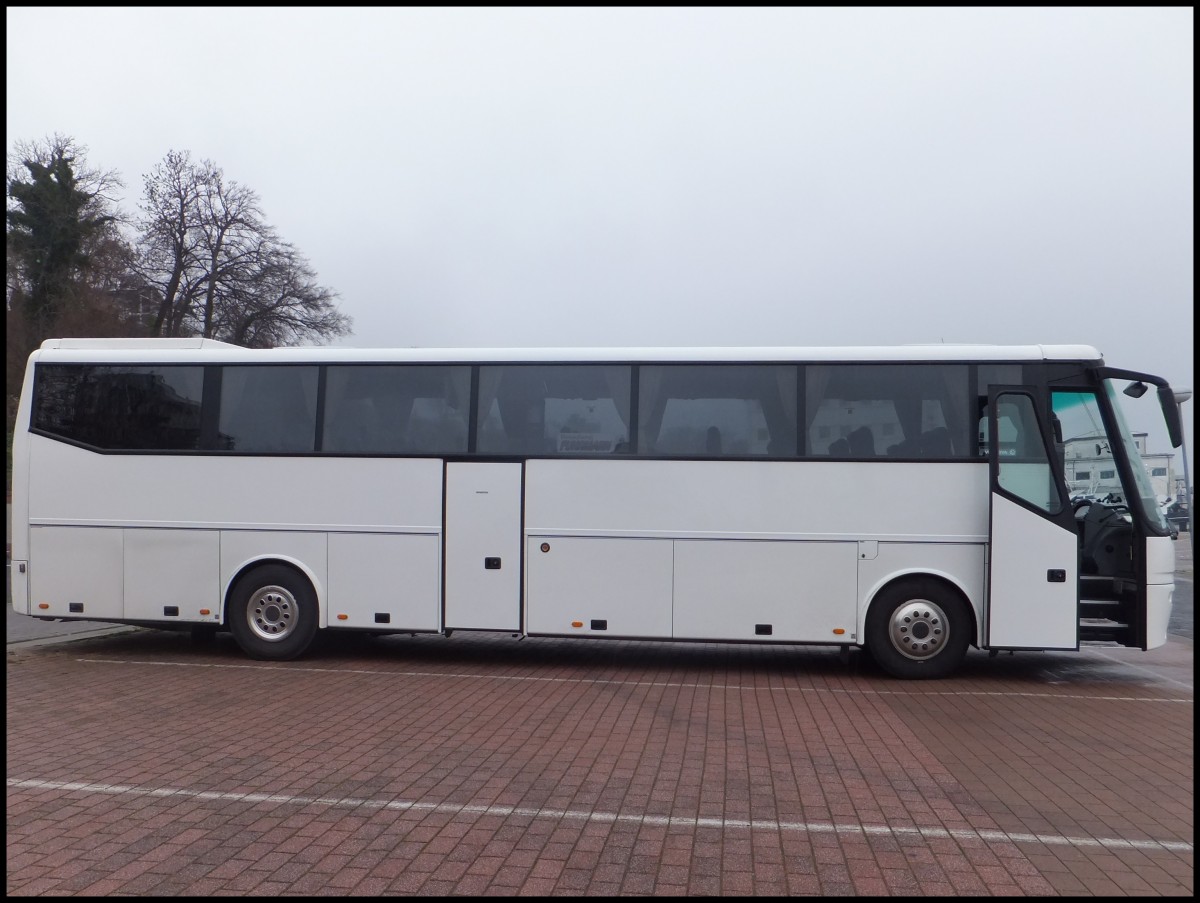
column 71, row 637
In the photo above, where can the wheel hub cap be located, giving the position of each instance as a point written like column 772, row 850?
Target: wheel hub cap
column 272, row 613
column 918, row 629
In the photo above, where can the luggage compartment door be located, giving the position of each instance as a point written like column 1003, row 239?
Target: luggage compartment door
column 483, row 546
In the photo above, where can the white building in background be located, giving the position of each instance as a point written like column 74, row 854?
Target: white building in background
column 1092, row 471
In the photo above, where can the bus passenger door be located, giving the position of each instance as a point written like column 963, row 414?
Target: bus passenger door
column 483, row 546
column 1033, row 558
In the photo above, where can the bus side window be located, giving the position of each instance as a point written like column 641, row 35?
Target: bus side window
column 355, row 428
column 901, row 410
column 268, row 408
column 554, row 409
column 722, row 411
column 1024, row 466
column 1010, row 440
column 862, row 442
column 936, row 443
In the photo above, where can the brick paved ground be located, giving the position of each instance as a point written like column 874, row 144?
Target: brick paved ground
column 144, row 764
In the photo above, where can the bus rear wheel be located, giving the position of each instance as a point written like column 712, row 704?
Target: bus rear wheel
column 273, row 613
column 918, row 629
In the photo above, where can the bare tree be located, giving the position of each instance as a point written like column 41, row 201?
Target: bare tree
column 232, row 233
column 170, row 241
column 221, row 271
column 278, row 301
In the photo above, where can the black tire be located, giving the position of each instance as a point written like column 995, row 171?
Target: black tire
column 272, row 613
column 918, row 629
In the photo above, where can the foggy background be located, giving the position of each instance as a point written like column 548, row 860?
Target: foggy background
column 630, row 177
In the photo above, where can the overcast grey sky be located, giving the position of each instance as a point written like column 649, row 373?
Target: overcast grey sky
column 513, row 177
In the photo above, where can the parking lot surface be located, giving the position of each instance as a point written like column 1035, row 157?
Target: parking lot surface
column 143, row 763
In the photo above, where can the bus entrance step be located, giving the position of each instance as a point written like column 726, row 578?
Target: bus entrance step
column 1106, row 589
column 1093, row 610
column 1102, row 630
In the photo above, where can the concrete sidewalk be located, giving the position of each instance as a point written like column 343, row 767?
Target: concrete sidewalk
column 27, row 630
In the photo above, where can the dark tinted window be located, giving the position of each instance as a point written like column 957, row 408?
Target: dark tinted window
column 896, row 410
column 268, row 409
column 1024, row 465
column 717, row 410
column 374, row 409
column 120, row 407
column 559, row 409
column 993, row 375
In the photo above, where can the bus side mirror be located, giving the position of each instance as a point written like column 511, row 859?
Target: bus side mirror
column 1170, row 409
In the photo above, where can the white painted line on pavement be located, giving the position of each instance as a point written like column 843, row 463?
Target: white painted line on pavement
column 757, row 824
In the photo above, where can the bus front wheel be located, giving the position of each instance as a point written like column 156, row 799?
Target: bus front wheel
column 918, row 629
column 273, row 613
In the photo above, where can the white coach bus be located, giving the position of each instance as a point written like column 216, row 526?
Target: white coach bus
column 909, row 500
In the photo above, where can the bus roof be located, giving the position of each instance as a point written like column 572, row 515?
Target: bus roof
column 160, row 350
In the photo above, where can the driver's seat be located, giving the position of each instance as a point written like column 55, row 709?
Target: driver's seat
column 1107, row 543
